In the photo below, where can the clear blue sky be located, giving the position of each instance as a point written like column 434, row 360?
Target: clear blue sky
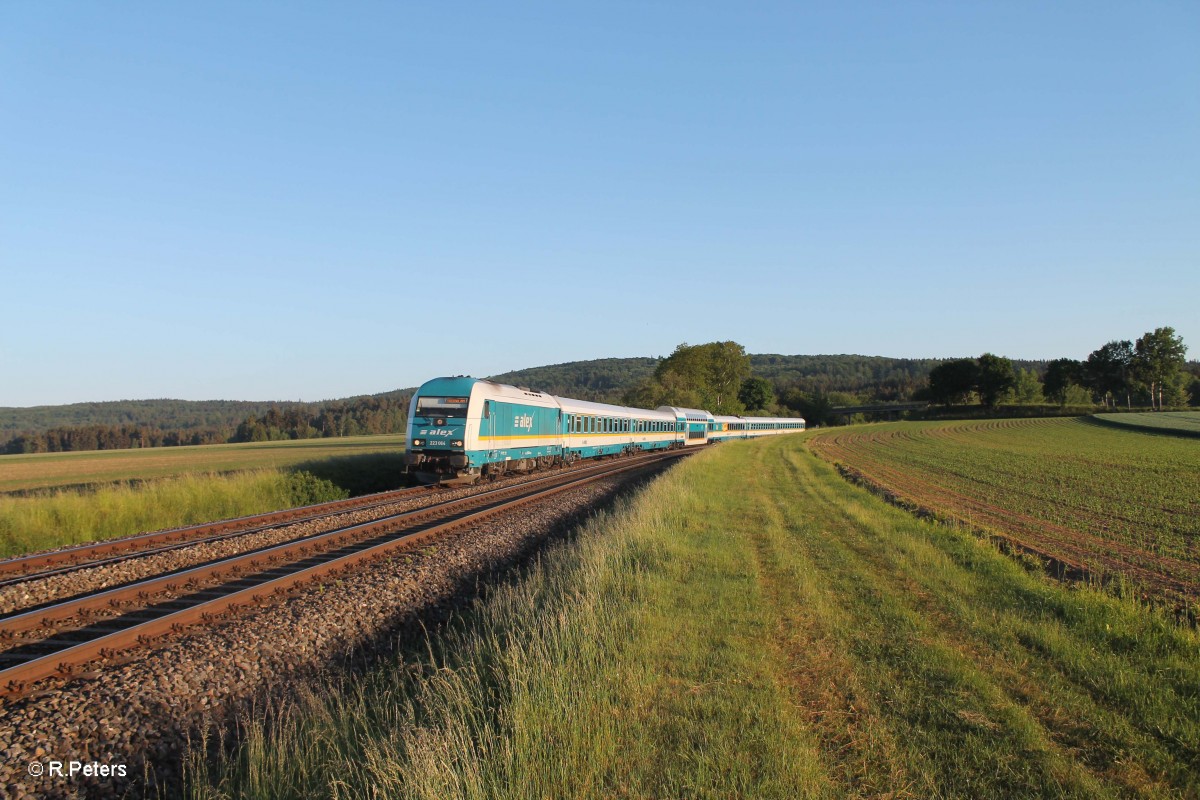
column 305, row 201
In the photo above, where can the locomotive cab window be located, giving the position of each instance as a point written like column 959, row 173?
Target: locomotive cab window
column 442, row 407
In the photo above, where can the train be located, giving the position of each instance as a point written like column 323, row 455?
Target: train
column 461, row 429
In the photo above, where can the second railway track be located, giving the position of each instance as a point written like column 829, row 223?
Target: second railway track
column 58, row 638
column 85, row 556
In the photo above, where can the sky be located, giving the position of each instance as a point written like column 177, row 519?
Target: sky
column 305, row 201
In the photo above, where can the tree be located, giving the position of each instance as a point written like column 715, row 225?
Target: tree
column 705, row 375
column 1060, row 374
column 728, row 367
column 953, row 381
column 1027, row 389
column 994, row 379
column 1158, row 359
column 756, row 393
column 1106, row 371
column 814, row 407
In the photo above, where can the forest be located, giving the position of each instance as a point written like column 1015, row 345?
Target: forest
column 180, row 422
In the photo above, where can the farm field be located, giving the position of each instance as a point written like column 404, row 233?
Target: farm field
column 752, row 625
column 48, row 470
column 1108, row 501
column 1181, row 423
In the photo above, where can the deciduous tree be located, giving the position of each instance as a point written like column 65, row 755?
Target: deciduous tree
column 1060, row 374
column 756, row 393
column 953, row 381
column 1158, row 359
column 1106, row 371
column 996, row 377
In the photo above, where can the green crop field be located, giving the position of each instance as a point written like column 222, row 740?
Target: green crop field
column 47, row 470
column 753, row 625
column 1106, row 500
column 1181, row 423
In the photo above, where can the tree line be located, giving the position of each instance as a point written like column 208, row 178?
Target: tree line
column 1152, row 371
column 719, row 376
column 360, row 416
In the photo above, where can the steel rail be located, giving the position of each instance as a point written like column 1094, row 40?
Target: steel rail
column 345, row 548
column 71, row 559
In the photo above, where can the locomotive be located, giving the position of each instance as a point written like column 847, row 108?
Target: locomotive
column 461, row 429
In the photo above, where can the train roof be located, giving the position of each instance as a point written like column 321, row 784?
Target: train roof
column 757, row 419
column 604, row 409
column 694, row 414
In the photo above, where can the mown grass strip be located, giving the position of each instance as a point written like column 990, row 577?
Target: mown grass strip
column 753, row 626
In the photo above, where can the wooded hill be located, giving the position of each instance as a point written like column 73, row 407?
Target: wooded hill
column 861, row 378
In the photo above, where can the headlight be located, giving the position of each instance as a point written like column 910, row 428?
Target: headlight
column 457, row 443
column 418, row 442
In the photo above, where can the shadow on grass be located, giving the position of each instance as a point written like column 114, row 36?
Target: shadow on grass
column 1133, row 427
column 363, row 474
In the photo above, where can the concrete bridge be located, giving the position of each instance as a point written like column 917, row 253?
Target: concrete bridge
column 890, row 410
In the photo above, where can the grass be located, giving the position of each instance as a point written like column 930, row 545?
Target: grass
column 1179, row 423
column 23, row 473
column 753, row 626
column 71, row 517
column 1111, row 500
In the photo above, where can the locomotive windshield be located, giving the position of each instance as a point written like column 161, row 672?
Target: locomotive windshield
column 441, row 406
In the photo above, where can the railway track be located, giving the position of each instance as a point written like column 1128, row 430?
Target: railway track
column 57, row 639
column 70, row 559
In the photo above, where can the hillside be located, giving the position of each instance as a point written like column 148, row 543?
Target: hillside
column 876, row 377
column 173, row 414
column 604, row 379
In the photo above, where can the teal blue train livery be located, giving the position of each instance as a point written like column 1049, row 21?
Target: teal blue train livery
column 461, row 429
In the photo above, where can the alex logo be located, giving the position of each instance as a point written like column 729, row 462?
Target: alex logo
column 435, row 432
column 523, row 421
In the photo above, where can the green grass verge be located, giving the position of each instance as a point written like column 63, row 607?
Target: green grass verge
column 22, row 473
column 71, row 517
column 753, row 626
column 1177, row 423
